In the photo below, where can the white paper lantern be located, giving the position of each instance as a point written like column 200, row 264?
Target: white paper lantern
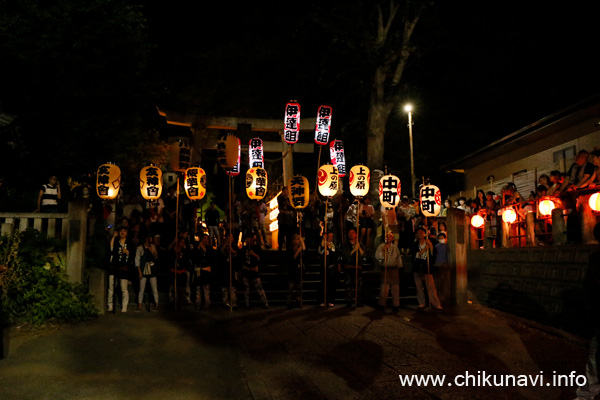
column 195, row 183
column 360, row 178
column 389, row 191
column 430, row 200
column 108, row 181
column 291, row 123
column 328, row 180
column 151, row 182
column 323, row 125
column 256, row 183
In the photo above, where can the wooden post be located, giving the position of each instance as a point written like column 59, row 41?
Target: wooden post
column 530, row 229
column 559, row 229
column 76, row 240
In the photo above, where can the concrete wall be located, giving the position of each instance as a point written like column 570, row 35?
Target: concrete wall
column 540, row 283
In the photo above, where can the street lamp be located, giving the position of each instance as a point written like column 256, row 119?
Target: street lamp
column 408, row 109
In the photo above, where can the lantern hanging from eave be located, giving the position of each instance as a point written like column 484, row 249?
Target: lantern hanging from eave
column 298, row 192
column 181, row 156
column 360, row 178
column 323, row 125
column 256, row 156
column 195, row 183
column 389, row 191
column 477, row 221
column 328, row 180
column 235, row 171
column 594, row 202
column 151, row 182
column 291, row 129
column 509, row 215
column 430, row 199
column 546, row 206
column 256, row 183
column 228, row 150
column 338, row 159
column 108, row 181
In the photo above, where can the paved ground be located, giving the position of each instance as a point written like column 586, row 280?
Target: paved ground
column 310, row 353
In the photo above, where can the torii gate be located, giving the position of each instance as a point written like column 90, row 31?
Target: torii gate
column 205, row 133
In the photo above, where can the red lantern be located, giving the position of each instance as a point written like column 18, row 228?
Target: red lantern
column 477, row 221
column 338, row 159
column 323, row 125
column 291, row 123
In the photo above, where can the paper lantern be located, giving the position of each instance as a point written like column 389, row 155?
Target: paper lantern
column 477, row 221
column 323, row 125
column 151, row 182
column 181, row 156
column 509, row 215
column 338, row 159
column 298, row 192
column 328, row 180
column 360, row 177
column 256, row 156
column 389, row 191
column 594, row 202
column 235, row 171
column 195, row 183
column 291, row 123
column 256, row 183
column 108, row 181
column 228, row 152
column 546, row 206
column 431, row 200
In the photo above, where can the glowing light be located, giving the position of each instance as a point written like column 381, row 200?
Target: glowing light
column 477, row 221
column 273, row 226
column 509, row 215
column 594, row 202
column 546, row 207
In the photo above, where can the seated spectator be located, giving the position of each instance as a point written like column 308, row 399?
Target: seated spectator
column 545, row 181
column 595, row 160
column 556, row 180
column 580, row 174
column 490, row 202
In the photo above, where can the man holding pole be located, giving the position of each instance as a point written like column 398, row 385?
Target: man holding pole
column 352, row 260
column 388, row 255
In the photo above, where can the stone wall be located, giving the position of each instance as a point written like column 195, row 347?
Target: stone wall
column 543, row 283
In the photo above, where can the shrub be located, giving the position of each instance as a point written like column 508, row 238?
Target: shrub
column 35, row 287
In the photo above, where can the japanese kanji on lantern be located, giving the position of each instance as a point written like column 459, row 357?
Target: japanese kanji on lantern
column 235, row 170
column 228, row 150
column 108, row 181
column 181, row 156
column 360, row 177
column 389, row 191
column 151, row 182
column 195, row 183
column 431, row 200
column 298, row 192
column 256, row 183
column 323, row 125
column 291, row 123
column 338, row 159
column 328, row 180
column 256, row 156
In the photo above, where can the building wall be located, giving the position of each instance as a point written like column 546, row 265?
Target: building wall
column 535, row 158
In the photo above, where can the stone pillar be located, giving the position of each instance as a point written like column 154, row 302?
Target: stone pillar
column 288, row 161
column 76, row 240
column 98, row 289
column 559, row 229
column 458, row 243
column 529, row 229
column 588, row 221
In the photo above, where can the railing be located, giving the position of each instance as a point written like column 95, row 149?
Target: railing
column 52, row 225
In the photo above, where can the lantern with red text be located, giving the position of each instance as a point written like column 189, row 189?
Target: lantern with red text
column 181, row 156
column 108, row 181
column 431, row 200
column 256, row 156
column 338, row 159
column 389, row 191
column 360, row 177
column 228, row 146
column 256, row 183
column 323, row 125
column 291, row 123
column 546, row 206
column 298, row 192
column 328, row 180
column 509, row 215
column 477, row 221
column 235, row 171
column 151, row 182
column 594, row 202
column 195, row 183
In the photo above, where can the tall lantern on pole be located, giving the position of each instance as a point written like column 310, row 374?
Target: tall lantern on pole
column 360, row 178
column 256, row 156
column 228, row 150
column 323, row 125
column 151, row 182
column 195, row 183
column 256, row 183
column 338, row 159
column 291, row 122
column 298, row 192
column 181, row 156
column 108, row 181
column 430, row 199
column 328, row 183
